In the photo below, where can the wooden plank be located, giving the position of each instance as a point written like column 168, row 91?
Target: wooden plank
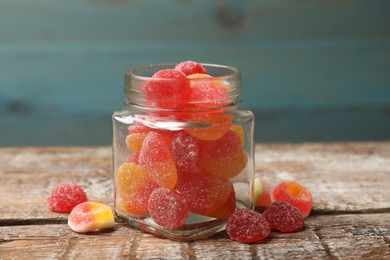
column 324, row 237
column 28, row 174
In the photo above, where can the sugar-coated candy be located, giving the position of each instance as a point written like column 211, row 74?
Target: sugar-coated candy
column 134, row 141
column 156, row 158
column 212, row 125
column 223, row 157
column 185, row 152
column 168, row 209
column 240, row 132
column 261, row 191
column 247, row 226
column 91, row 216
column 295, row 194
column 190, row 67
column 204, row 193
column 207, row 91
column 137, row 203
column 168, row 88
column 227, row 209
column 131, row 181
column 64, row 197
column 284, row 217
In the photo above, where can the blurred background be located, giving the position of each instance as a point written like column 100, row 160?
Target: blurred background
column 312, row 70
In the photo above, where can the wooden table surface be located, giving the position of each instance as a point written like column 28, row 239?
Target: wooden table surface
column 350, row 183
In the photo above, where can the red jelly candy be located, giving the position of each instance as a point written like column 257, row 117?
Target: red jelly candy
column 247, row 226
column 168, row 88
column 156, row 158
column 213, row 125
column 167, row 208
column 66, row 196
column 295, row 194
column 284, row 217
column 204, row 193
column 227, row 209
column 185, row 152
column 223, row 157
column 190, row 67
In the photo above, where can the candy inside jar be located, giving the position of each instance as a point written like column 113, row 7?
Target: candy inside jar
column 182, row 149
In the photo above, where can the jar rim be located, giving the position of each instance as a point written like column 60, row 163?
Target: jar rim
column 231, row 72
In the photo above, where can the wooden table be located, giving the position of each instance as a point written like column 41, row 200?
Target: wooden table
column 350, row 183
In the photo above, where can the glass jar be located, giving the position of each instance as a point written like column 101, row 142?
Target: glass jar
column 182, row 152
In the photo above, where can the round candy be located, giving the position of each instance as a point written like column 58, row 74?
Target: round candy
column 295, row 194
column 167, row 208
column 284, row 217
column 185, row 152
column 91, row 216
column 64, row 197
column 247, row 226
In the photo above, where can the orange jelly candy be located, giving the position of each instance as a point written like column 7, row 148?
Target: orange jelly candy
column 212, row 126
column 134, row 141
column 223, row 157
column 156, row 158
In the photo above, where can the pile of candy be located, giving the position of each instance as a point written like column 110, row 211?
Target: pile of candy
column 84, row 216
column 286, row 206
column 172, row 173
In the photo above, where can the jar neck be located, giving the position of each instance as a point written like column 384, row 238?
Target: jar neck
column 220, row 91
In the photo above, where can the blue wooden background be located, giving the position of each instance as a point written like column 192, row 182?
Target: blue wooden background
column 313, row 70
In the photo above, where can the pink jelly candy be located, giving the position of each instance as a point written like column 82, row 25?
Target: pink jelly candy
column 185, row 152
column 223, row 157
column 64, row 197
column 190, row 67
column 204, row 193
column 91, row 216
column 284, row 217
column 247, row 226
column 167, row 208
column 168, row 88
column 156, row 158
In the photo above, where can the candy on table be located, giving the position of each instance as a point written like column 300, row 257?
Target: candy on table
column 185, row 152
column 203, row 193
column 168, row 209
column 247, row 226
column 223, row 157
column 213, row 125
column 227, row 209
column 261, row 192
column 240, row 132
column 64, row 197
column 156, row 158
column 168, row 93
column 190, row 67
column 91, row 216
column 284, row 217
column 295, row 194
column 131, row 180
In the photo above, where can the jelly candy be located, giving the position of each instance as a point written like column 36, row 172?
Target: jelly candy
column 261, row 192
column 137, row 203
column 247, row 226
column 295, row 194
column 64, row 197
column 91, row 216
column 207, row 93
column 240, row 132
column 156, row 158
column 213, row 125
column 134, row 141
column 204, row 193
column 284, row 217
column 223, row 157
column 227, row 209
column 185, row 152
column 167, row 208
column 190, row 67
column 168, row 88
column 131, row 180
